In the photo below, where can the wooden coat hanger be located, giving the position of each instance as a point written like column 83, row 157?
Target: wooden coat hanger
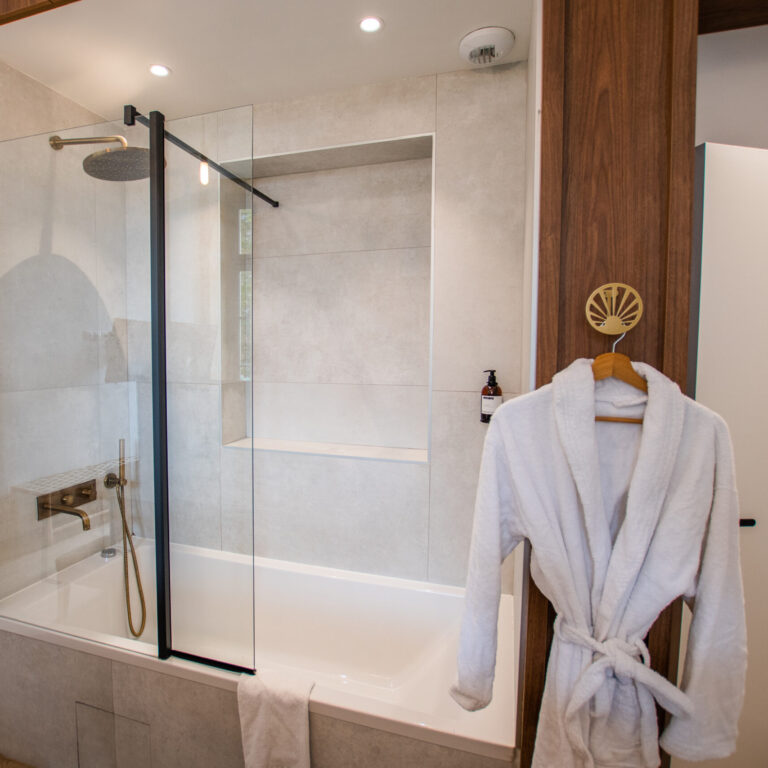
column 615, row 308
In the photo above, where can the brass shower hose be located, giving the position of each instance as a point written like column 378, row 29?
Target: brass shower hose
column 112, row 481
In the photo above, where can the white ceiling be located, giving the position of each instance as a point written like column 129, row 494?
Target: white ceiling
column 226, row 53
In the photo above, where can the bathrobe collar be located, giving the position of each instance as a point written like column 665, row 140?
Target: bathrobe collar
column 616, row 566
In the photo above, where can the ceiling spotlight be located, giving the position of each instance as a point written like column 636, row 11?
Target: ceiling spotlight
column 160, row 70
column 370, row 24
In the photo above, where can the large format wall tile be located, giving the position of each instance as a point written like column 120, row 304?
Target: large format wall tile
column 28, row 106
column 371, row 112
column 479, row 226
column 457, row 445
column 357, row 414
column 364, row 208
column 344, row 513
column 194, row 444
column 356, row 318
column 47, row 431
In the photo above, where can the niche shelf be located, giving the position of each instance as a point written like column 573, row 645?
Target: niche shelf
column 339, row 450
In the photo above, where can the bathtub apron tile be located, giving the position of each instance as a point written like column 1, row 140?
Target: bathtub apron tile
column 191, row 725
column 340, row 744
column 95, row 737
column 132, row 743
column 41, row 683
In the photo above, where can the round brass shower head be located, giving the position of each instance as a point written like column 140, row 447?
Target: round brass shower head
column 122, row 163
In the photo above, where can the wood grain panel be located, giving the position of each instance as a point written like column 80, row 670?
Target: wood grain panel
column 722, row 15
column 616, row 205
column 13, row 10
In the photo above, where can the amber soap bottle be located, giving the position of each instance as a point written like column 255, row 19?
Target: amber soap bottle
column 490, row 397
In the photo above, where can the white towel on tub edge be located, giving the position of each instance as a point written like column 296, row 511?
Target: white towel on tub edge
column 274, row 719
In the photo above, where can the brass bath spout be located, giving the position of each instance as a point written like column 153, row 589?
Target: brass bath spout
column 71, row 511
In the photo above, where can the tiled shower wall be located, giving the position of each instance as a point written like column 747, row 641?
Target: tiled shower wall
column 63, row 390
column 404, row 519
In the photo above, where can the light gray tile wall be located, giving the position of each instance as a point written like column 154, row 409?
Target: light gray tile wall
column 358, row 317
column 341, row 306
column 63, row 394
column 364, row 208
column 344, row 513
column 28, row 107
column 478, row 287
column 359, row 414
column 479, row 123
column 367, row 113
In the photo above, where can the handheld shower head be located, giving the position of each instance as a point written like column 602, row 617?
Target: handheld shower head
column 122, row 163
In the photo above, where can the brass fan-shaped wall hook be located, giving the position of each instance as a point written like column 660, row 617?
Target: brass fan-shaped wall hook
column 614, row 308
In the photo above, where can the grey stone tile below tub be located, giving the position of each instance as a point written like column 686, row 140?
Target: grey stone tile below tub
column 132, row 743
column 95, row 737
column 191, row 725
column 40, row 684
column 339, row 744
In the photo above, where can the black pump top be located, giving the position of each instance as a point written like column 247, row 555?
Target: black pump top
column 492, row 378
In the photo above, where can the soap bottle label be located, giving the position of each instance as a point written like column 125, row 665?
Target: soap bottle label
column 489, row 403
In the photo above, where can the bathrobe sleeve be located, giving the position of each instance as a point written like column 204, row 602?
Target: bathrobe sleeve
column 494, row 536
column 716, row 659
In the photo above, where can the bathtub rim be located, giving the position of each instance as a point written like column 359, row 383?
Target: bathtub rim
column 323, row 700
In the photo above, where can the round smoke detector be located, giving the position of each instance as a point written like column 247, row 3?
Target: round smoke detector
column 487, row 46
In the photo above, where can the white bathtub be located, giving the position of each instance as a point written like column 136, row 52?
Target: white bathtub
column 381, row 650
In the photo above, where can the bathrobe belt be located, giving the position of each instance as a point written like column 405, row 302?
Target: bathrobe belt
column 628, row 661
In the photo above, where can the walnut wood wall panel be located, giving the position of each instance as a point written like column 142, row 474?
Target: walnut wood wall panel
column 13, row 10
column 722, row 15
column 618, row 117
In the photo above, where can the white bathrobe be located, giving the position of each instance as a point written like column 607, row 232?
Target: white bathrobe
column 622, row 519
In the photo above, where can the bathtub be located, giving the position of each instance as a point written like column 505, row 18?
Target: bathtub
column 381, row 650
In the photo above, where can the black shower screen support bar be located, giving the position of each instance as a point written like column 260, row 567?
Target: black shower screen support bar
column 131, row 116
column 159, row 379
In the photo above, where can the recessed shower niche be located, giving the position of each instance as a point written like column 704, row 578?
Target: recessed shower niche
column 339, row 288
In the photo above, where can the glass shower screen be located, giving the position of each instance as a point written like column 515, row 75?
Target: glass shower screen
column 208, row 351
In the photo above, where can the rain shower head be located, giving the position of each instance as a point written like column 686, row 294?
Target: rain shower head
column 121, row 163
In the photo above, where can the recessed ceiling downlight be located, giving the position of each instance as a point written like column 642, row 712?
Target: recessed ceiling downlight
column 370, row 24
column 160, row 70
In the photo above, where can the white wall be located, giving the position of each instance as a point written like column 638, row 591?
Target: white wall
column 732, row 108
column 731, row 95
column 730, row 376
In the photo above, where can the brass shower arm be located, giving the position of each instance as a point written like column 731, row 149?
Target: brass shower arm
column 57, row 142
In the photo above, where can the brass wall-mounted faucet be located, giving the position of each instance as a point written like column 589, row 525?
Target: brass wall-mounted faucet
column 67, row 500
